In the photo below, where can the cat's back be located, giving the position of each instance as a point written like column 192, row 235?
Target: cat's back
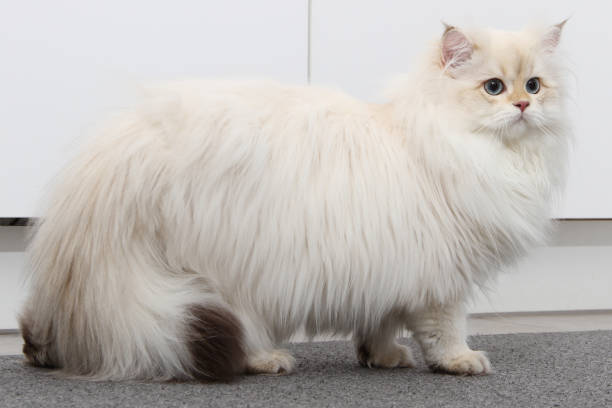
column 254, row 99
column 221, row 123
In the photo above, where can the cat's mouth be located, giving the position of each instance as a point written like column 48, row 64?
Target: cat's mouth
column 520, row 118
column 512, row 126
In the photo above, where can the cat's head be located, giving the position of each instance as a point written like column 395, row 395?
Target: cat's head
column 507, row 84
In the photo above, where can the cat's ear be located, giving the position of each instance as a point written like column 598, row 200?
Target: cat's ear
column 552, row 36
column 455, row 48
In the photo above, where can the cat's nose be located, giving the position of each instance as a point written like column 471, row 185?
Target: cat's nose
column 522, row 105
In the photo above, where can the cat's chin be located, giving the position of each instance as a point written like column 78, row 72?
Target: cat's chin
column 525, row 129
column 520, row 127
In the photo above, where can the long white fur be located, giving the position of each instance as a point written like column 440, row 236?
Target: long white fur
column 296, row 207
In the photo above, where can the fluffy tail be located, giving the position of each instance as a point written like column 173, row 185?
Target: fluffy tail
column 104, row 302
column 208, row 347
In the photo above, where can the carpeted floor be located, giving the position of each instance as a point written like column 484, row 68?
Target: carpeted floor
column 531, row 370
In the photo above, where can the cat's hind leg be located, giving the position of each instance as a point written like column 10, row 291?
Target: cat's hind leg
column 380, row 349
column 263, row 357
column 275, row 361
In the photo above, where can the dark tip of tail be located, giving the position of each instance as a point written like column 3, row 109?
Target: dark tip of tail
column 215, row 340
column 363, row 355
column 34, row 352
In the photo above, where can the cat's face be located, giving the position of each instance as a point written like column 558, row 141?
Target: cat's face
column 505, row 83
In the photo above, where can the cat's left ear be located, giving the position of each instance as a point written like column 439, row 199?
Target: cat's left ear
column 552, row 36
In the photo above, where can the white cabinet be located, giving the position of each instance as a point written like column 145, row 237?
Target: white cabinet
column 68, row 64
column 357, row 45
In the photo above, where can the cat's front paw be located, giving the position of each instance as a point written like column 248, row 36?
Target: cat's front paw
column 271, row 362
column 470, row 362
column 395, row 356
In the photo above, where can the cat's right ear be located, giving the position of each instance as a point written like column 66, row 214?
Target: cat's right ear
column 455, row 49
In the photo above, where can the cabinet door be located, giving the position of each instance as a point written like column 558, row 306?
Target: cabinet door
column 68, row 64
column 358, row 45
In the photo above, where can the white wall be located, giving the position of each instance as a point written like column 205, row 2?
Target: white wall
column 357, row 45
column 574, row 273
column 67, row 64
column 12, row 264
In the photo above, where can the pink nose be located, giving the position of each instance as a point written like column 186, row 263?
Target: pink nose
column 522, row 105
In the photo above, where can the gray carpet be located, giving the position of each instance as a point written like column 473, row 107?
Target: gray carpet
column 531, row 370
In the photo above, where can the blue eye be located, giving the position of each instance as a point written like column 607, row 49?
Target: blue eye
column 533, row 85
column 494, row 86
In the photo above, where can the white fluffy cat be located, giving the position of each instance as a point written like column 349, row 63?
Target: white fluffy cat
column 200, row 231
